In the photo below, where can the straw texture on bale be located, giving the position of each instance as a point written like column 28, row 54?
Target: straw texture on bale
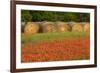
column 31, row 28
column 62, row 27
column 48, row 27
column 87, row 27
column 77, row 27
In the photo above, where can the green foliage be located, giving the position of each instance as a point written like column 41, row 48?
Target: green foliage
column 25, row 16
column 28, row 15
column 70, row 17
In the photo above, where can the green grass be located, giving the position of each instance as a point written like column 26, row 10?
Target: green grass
column 52, row 36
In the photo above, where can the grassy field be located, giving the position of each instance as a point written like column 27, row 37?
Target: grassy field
column 25, row 38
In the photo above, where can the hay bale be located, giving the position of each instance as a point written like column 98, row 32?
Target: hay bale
column 62, row 27
column 87, row 27
column 31, row 28
column 77, row 27
column 48, row 27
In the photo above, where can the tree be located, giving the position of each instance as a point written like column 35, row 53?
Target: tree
column 29, row 15
column 26, row 16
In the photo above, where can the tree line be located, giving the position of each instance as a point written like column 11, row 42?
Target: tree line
column 38, row 16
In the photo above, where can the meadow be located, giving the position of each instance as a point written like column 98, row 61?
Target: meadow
column 59, row 46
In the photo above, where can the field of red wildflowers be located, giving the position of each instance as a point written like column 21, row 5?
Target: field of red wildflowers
column 56, row 50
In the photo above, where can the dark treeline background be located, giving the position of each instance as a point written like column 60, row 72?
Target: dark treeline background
column 37, row 16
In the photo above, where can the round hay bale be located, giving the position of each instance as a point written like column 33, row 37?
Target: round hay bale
column 31, row 28
column 48, row 27
column 63, row 27
column 77, row 27
column 87, row 27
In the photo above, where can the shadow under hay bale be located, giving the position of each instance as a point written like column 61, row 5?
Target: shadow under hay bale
column 71, row 23
column 22, row 26
column 48, row 27
column 31, row 28
column 87, row 27
column 77, row 27
column 40, row 27
column 63, row 27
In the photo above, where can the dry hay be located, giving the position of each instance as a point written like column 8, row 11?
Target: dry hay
column 48, row 27
column 63, row 26
column 31, row 28
column 77, row 27
column 86, row 27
